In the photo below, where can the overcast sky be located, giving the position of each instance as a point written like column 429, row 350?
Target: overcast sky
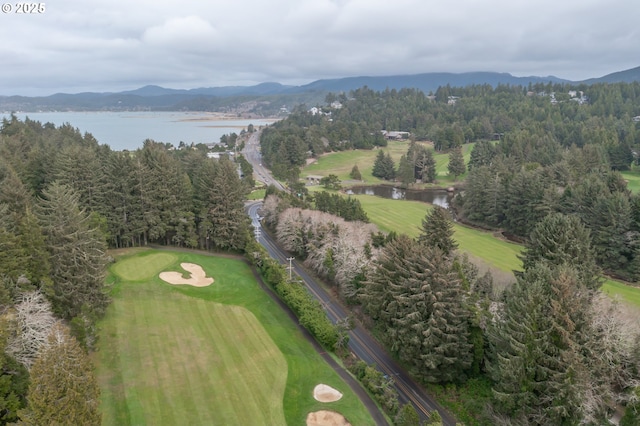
column 113, row 45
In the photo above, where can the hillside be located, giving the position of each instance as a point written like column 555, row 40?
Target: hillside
column 268, row 98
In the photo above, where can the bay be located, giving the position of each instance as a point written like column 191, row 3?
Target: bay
column 128, row 130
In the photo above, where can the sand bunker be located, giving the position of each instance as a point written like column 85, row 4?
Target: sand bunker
column 326, row 418
column 197, row 276
column 324, row 393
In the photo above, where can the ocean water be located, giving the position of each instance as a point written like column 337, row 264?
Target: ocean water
column 128, row 130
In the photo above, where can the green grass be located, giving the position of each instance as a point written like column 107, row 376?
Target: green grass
column 222, row 354
column 257, row 194
column 406, row 217
column 633, row 180
column 144, row 266
column 626, row 293
column 341, row 163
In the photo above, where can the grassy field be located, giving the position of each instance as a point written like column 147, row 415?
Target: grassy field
column 626, row 293
column 222, row 354
column 406, row 217
column 341, row 163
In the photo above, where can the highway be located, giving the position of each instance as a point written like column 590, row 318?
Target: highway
column 361, row 343
column 251, row 152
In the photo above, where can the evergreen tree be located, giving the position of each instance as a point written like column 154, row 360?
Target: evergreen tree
column 415, row 295
column 406, row 171
column 77, row 252
column 437, row 230
column 407, row 416
column 224, row 224
column 524, row 202
column 540, row 367
column 355, row 173
column 559, row 240
column 428, row 167
column 384, row 166
column 456, row 166
column 13, row 380
column 482, row 154
column 63, row 389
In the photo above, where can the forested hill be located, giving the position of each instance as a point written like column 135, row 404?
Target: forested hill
column 267, row 98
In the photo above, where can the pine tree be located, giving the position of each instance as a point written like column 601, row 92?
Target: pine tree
column 539, row 366
column 13, row 380
column 384, row 166
column 416, row 296
column 428, row 167
column 225, row 224
column 63, row 389
column 406, row 171
column 437, row 230
column 78, row 254
column 563, row 240
column 456, row 164
column 355, row 173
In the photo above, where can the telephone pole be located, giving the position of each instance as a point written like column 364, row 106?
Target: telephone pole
column 290, row 259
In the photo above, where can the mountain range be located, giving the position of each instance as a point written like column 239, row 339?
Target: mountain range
column 275, row 94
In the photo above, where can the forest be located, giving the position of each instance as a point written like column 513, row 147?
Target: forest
column 545, row 169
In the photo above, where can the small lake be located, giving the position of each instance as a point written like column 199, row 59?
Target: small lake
column 438, row 197
column 128, row 130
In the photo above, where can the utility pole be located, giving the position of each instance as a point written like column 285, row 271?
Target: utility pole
column 290, row 259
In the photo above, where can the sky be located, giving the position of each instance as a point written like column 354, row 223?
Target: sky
column 105, row 46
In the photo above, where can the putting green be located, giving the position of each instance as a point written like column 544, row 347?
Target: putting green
column 143, row 267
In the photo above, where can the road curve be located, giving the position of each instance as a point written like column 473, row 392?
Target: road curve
column 361, row 343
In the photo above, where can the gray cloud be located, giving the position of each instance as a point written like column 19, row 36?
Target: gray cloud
column 115, row 45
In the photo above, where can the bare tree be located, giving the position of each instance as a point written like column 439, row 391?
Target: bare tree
column 33, row 321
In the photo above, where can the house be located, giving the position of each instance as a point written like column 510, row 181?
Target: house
column 314, row 179
column 397, row 136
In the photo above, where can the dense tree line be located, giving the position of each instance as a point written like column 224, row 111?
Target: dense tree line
column 348, row 208
column 502, row 193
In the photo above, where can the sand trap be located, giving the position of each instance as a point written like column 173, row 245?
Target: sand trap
column 324, row 393
column 197, row 276
column 326, row 418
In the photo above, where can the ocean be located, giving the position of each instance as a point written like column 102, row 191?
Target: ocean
column 128, row 130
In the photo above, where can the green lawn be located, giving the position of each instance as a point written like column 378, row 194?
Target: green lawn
column 341, row 163
column 627, row 293
column 406, row 217
column 222, row 354
column 633, row 179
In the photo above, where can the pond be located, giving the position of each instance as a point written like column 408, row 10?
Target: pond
column 439, row 197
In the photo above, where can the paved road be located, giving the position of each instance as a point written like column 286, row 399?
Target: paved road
column 360, row 341
column 252, row 153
